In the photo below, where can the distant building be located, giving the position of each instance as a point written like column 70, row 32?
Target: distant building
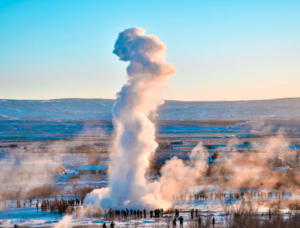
column 98, row 144
column 93, row 170
column 13, row 146
column 165, row 146
column 176, row 143
column 285, row 170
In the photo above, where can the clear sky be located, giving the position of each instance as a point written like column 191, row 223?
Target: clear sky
column 223, row 50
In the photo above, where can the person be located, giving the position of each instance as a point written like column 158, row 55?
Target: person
column 104, row 225
column 181, row 222
column 176, row 213
column 213, row 221
column 144, row 213
column 30, row 202
column 199, row 221
column 4, row 204
column 151, row 214
column 192, row 214
column 37, row 205
column 270, row 214
column 112, row 225
column 174, row 222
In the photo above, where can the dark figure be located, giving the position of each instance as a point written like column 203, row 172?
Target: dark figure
column 112, row 225
column 162, row 212
column 144, row 213
column 192, row 214
column 270, row 214
column 196, row 212
column 199, row 221
column 37, row 206
column 176, row 213
column 151, row 214
column 24, row 203
column 104, row 225
column 213, row 221
column 181, row 222
column 4, row 204
column 30, row 202
column 174, row 222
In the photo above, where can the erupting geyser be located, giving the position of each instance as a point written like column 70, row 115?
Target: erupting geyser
column 135, row 134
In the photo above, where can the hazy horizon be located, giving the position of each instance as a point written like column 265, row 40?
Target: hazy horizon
column 91, row 98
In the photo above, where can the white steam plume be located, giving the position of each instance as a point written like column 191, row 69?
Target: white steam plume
column 135, row 139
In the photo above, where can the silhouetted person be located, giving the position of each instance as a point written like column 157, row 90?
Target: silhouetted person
column 192, row 214
column 30, row 202
column 181, row 222
column 270, row 214
column 112, row 225
column 104, row 225
column 199, row 221
column 213, row 221
column 174, row 222
column 176, row 213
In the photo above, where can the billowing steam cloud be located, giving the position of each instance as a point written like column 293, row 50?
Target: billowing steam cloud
column 135, row 138
column 179, row 177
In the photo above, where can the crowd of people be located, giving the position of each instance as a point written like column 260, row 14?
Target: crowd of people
column 54, row 206
column 121, row 214
column 71, row 205
column 59, row 206
column 63, row 206
column 157, row 213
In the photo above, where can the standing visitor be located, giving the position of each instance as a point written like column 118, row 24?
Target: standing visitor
column 181, row 222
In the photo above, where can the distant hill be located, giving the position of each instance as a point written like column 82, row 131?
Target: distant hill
column 70, row 109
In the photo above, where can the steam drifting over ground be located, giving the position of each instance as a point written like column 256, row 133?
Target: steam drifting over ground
column 135, row 139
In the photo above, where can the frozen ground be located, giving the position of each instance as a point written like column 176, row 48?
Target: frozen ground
column 171, row 110
column 28, row 216
column 53, row 130
column 57, row 130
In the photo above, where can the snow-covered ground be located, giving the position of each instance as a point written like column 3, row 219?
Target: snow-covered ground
column 47, row 126
column 29, row 216
column 172, row 110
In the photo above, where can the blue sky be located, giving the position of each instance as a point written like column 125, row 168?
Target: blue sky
column 223, row 50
